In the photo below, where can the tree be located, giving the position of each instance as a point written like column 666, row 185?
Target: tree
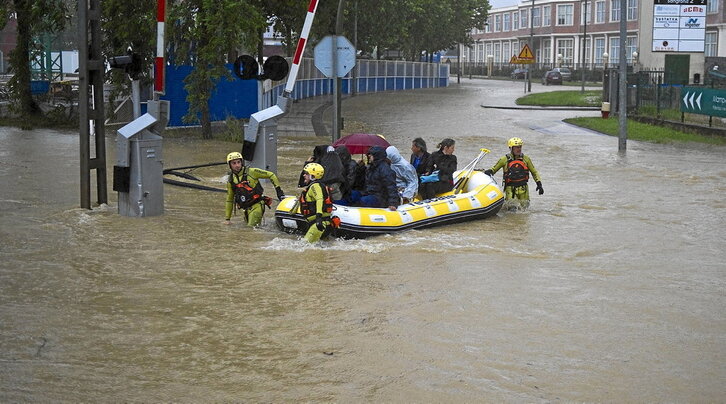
column 202, row 32
column 135, row 32
column 33, row 18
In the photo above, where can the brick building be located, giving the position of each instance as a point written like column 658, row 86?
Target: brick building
column 557, row 29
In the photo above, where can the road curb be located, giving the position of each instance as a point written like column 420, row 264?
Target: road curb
column 534, row 108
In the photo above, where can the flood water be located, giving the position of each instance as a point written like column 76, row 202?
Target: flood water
column 609, row 288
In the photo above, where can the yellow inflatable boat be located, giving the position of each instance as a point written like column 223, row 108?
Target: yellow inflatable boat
column 477, row 196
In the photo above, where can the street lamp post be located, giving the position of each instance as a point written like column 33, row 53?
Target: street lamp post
column 635, row 62
column 584, row 49
column 490, row 65
column 531, row 46
column 605, row 57
column 559, row 60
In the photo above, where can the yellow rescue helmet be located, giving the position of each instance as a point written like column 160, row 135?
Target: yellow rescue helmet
column 515, row 141
column 234, row 156
column 315, row 170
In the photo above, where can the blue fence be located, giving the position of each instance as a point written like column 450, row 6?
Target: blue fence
column 241, row 98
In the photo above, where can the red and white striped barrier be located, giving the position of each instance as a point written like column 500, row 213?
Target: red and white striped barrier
column 301, row 46
column 159, row 63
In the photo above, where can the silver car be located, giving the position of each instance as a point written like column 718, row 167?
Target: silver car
column 565, row 72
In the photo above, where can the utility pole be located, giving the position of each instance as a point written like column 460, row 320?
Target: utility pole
column 531, row 46
column 584, row 49
column 623, row 91
column 337, row 120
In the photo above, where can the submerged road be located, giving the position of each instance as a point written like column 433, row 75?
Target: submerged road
column 610, row 288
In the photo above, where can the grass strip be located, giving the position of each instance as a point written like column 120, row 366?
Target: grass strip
column 567, row 98
column 643, row 132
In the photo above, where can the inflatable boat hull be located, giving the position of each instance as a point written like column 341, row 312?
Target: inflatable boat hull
column 482, row 198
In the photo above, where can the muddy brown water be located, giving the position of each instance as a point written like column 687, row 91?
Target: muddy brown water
column 610, row 288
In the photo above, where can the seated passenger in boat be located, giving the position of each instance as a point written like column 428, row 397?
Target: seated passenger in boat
column 380, row 185
column 444, row 162
column 406, row 177
column 327, row 157
column 350, row 168
column 419, row 156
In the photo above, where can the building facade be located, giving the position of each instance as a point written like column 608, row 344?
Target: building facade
column 582, row 33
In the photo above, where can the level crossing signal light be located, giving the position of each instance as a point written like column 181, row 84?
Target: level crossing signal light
column 129, row 63
column 275, row 68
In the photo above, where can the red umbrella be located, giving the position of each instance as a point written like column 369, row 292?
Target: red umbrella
column 359, row 143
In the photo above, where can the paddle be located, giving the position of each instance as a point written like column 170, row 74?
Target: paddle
column 461, row 182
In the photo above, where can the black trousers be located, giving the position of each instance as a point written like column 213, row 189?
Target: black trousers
column 429, row 190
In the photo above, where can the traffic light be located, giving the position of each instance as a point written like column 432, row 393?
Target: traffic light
column 275, row 68
column 129, row 63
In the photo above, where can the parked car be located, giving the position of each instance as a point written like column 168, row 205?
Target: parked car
column 552, row 77
column 565, row 72
column 519, row 73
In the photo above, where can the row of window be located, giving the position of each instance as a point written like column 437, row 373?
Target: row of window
column 504, row 50
column 542, row 16
column 565, row 47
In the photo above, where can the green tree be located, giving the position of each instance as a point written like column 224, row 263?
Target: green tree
column 202, row 32
column 136, row 31
column 33, row 18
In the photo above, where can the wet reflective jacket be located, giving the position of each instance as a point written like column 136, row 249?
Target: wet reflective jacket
column 253, row 177
column 315, row 199
column 503, row 163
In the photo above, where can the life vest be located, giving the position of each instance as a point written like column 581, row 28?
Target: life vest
column 308, row 208
column 517, row 172
column 245, row 195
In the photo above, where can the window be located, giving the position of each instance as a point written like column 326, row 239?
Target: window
column 599, row 50
column 588, row 45
column 614, row 10
column 523, row 18
column 566, row 48
column 497, row 23
column 547, row 51
column 585, row 12
column 600, row 12
column 712, row 7
column 515, row 20
column 515, row 48
column 631, row 45
column 535, row 16
column 487, row 28
column 546, row 16
column 489, row 48
column 564, row 14
column 497, row 52
column 507, row 26
column 505, row 51
column 632, row 10
column 614, row 50
column 711, row 44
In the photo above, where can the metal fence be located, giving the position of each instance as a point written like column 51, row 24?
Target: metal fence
column 366, row 77
column 593, row 72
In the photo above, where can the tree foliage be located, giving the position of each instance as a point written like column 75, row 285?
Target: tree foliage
column 201, row 32
column 135, row 32
column 34, row 17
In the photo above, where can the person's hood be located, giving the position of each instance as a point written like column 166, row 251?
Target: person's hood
column 393, row 154
column 319, row 151
column 378, row 153
column 344, row 154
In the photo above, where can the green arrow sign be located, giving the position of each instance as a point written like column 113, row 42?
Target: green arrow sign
column 704, row 101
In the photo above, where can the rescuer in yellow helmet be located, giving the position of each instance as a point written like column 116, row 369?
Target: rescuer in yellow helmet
column 315, row 202
column 245, row 192
column 517, row 168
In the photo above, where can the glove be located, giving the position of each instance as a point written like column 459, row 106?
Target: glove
column 319, row 222
column 280, row 194
column 539, row 187
column 489, row 172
